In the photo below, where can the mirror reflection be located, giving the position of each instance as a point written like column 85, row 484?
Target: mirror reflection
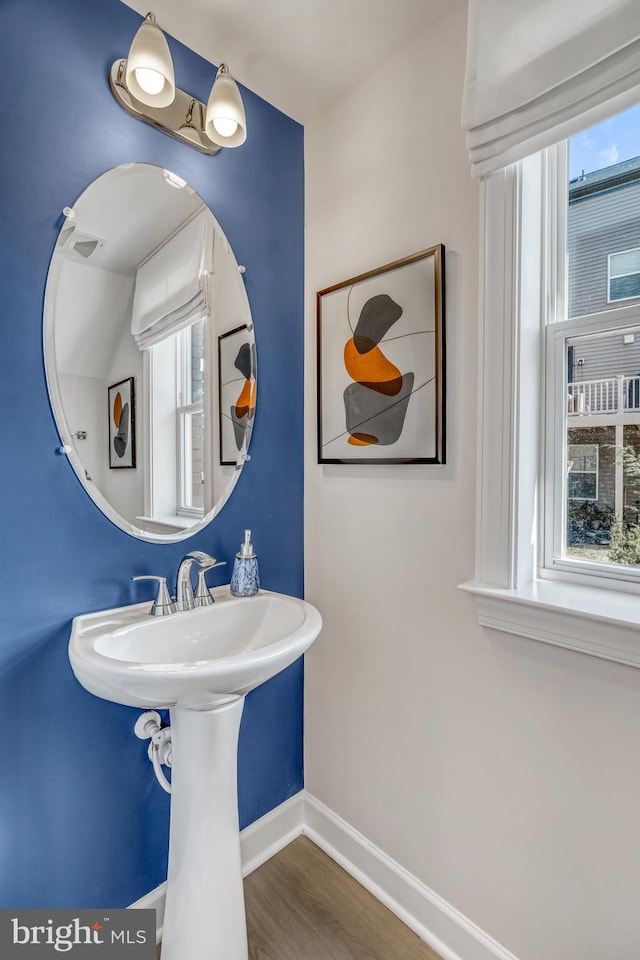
column 150, row 352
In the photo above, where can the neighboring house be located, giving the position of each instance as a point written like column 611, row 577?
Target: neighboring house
column 604, row 238
column 604, row 372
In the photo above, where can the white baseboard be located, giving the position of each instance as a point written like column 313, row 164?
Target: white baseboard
column 444, row 928
column 435, row 921
column 271, row 833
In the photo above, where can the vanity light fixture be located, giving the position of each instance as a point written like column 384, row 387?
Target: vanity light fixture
column 144, row 85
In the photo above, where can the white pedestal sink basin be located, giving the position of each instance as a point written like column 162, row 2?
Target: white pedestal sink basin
column 199, row 664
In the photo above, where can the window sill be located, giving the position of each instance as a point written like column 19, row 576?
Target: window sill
column 601, row 623
column 173, row 524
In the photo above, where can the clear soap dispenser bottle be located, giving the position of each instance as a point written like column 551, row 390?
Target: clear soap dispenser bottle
column 245, row 579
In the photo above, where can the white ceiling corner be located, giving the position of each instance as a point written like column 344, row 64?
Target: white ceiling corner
column 297, row 54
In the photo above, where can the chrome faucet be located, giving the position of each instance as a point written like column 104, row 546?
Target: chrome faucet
column 185, row 597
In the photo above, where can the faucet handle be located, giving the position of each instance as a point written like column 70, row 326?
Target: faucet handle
column 163, row 604
column 203, row 596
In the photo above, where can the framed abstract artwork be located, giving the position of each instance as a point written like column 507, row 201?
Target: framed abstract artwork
column 122, row 424
column 237, row 392
column 381, row 364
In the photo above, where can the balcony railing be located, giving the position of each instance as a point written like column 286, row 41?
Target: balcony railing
column 613, row 395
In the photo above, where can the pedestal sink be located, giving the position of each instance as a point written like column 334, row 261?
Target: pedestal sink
column 199, row 664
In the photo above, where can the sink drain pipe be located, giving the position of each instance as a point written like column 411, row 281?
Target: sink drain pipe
column 149, row 727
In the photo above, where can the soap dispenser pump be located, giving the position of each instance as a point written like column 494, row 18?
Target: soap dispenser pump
column 245, row 579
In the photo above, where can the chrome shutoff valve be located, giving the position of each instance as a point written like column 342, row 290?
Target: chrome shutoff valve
column 149, row 727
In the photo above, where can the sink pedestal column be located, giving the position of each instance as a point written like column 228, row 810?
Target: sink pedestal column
column 204, row 912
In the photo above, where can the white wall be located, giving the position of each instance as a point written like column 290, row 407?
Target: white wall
column 94, row 349
column 124, row 489
column 89, row 308
column 503, row 773
column 85, row 405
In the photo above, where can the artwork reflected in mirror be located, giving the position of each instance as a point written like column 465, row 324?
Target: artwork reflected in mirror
column 122, row 424
column 237, row 379
column 143, row 288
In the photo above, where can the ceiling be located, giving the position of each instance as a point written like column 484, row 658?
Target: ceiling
column 132, row 209
column 297, row 54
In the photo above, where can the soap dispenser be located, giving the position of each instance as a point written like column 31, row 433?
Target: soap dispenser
column 245, row 579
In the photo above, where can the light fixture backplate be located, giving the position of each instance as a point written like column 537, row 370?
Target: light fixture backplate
column 183, row 119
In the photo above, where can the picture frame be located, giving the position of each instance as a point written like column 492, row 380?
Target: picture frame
column 236, row 393
column 121, row 400
column 381, row 364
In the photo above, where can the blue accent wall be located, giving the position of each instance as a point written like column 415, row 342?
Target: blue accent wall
column 83, row 822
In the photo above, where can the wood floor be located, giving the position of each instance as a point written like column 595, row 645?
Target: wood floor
column 303, row 906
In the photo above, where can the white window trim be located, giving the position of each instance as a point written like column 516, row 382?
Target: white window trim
column 580, row 613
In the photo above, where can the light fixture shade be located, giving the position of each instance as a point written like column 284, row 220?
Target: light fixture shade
column 225, row 122
column 150, row 77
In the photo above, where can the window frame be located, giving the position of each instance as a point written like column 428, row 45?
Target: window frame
column 615, row 576
column 184, row 462
column 522, row 209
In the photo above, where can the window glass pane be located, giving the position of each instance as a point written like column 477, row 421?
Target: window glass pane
column 602, row 484
column 197, row 461
column 583, row 457
column 197, row 361
column 193, row 453
column 622, row 263
column 624, row 288
column 582, row 486
column 604, row 215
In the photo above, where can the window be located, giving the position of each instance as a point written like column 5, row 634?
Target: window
column 178, row 426
column 592, row 524
column 582, row 471
column 624, row 275
column 558, row 554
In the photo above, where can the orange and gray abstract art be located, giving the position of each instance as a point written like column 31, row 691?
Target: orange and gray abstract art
column 376, row 402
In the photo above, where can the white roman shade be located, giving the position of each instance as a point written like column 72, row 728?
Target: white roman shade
column 540, row 70
column 172, row 285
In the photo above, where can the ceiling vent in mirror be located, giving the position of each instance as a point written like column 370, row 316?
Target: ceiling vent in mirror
column 80, row 243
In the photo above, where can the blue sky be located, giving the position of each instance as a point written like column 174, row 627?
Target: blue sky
column 609, row 142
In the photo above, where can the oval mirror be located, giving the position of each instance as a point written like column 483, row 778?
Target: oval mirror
column 149, row 352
